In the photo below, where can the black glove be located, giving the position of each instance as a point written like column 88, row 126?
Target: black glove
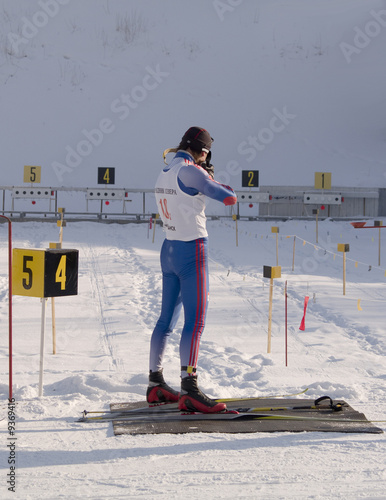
column 206, row 165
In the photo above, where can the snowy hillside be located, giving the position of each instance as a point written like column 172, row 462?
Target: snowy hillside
column 285, row 87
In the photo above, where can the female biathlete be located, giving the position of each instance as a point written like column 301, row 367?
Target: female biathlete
column 181, row 190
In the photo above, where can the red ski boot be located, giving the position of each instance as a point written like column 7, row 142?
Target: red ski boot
column 158, row 391
column 192, row 399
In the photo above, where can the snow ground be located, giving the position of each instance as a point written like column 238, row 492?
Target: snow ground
column 102, row 354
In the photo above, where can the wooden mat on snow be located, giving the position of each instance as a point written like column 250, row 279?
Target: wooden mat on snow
column 347, row 420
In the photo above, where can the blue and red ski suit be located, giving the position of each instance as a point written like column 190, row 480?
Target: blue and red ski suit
column 180, row 191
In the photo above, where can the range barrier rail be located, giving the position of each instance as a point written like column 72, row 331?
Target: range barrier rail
column 139, row 218
column 15, row 199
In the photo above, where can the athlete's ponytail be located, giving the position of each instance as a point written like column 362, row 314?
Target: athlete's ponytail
column 170, row 150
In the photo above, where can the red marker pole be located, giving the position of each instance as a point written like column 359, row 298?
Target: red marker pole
column 9, row 300
column 286, row 335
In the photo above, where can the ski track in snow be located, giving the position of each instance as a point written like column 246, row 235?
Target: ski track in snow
column 103, row 306
column 127, row 303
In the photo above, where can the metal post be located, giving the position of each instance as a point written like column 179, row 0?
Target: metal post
column 286, row 322
column 42, row 333
column 53, row 298
column 9, row 301
column 379, row 248
column 270, row 316
column 293, row 256
column 53, row 325
column 155, row 223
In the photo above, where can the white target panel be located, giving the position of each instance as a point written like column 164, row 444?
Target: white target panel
column 252, row 197
column 106, row 194
column 33, row 192
column 326, row 199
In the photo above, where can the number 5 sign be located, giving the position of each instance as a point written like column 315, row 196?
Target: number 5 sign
column 32, row 174
column 44, row 273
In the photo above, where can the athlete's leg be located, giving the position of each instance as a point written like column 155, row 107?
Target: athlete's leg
column 170, row 311
column 195, row 292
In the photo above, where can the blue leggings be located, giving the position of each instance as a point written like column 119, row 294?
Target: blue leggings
column 185, row 284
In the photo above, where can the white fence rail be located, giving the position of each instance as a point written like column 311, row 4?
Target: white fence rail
column 29, row 202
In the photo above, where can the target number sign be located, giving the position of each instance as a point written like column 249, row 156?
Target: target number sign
column 250, row 178
column 106, row 175
column 44, row 273
column 322, row 180
column 32, row 174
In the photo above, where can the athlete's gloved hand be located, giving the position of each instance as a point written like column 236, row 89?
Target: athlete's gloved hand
column 206, row 165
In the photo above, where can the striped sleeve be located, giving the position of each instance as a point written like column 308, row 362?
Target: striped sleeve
column 193, row 180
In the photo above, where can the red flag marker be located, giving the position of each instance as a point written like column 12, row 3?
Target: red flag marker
column 303, row 323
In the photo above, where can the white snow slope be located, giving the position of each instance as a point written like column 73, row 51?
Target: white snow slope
column 288, row 88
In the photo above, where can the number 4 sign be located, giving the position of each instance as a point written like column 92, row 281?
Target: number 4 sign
column 106, row 175
column 44, row 273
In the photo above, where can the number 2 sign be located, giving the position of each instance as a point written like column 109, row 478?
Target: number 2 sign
column 250, row 178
